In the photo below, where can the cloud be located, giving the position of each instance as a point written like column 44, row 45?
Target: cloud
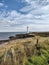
column 1, row 4
column 17, row 22
column 37, row 17
column 34, row 4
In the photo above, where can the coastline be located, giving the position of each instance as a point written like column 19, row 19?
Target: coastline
column 16, row 37
column 25, row 35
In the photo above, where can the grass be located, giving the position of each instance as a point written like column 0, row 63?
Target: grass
column 24, row 52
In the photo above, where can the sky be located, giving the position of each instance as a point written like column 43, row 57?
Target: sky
column 16, row 15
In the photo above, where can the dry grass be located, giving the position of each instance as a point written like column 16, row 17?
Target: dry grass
column 17, row 52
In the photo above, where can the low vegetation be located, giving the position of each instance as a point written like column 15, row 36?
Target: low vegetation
column 25, row 52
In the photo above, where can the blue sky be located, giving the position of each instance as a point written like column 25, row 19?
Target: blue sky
column 16, row 15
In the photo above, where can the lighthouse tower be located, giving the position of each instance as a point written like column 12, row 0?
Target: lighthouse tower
column 27, row 29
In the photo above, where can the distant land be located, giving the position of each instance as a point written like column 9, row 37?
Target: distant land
column 7, row 36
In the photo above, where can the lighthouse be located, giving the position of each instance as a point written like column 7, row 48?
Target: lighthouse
column 27, row 29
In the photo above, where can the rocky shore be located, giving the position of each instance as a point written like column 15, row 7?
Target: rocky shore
column 18, row 36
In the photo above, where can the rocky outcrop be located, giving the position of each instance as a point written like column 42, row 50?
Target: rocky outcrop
column 3, row 41
column 18, row 36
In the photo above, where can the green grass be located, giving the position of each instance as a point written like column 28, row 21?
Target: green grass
column 43, row 59
column 24, row 53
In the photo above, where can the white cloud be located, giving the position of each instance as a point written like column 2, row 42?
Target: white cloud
column 37, row 18
column 35, row 4
column 1, row 4
column 14, row 19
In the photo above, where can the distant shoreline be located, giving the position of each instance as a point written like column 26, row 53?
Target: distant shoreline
column 17, row 36
column 25, row 35
column 6, row 35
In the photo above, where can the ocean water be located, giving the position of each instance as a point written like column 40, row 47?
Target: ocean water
column 6, row 35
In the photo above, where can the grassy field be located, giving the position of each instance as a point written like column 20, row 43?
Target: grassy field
column 25, row 52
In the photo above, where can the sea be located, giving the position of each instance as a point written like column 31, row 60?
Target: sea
column 6, row 35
